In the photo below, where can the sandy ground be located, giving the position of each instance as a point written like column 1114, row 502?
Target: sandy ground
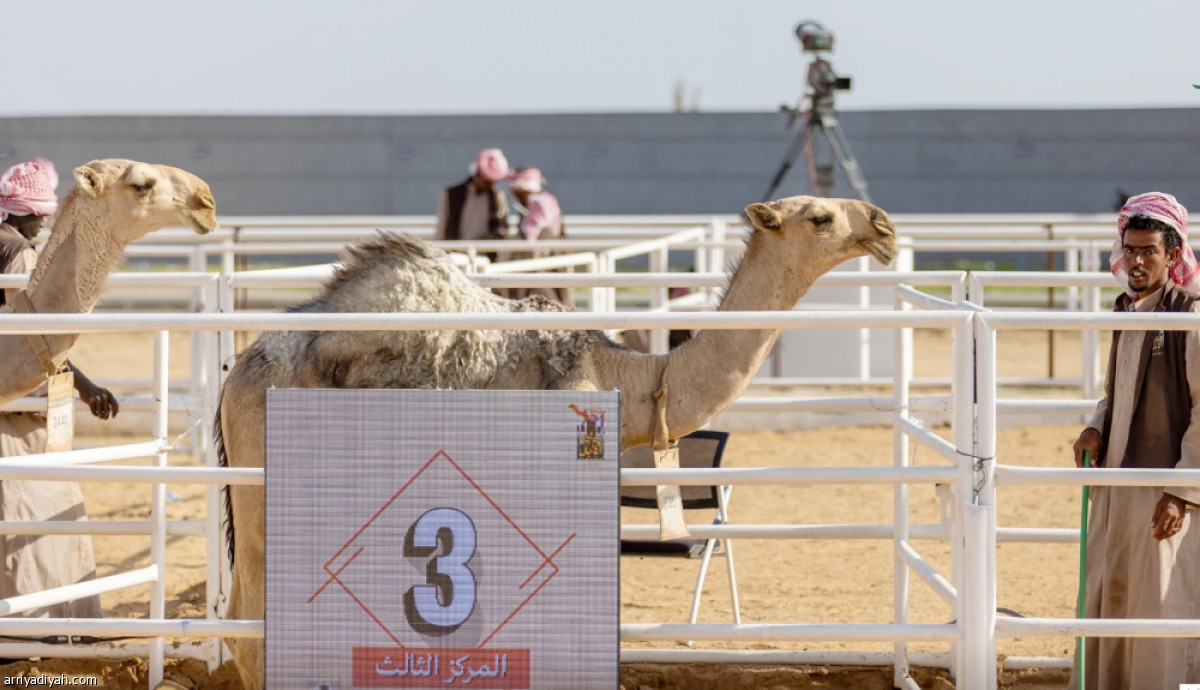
column 819, row 581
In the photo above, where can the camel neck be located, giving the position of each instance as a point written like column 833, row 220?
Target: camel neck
column 724, row 361
column 709, row 372
column 71, row 270
column 70, row 274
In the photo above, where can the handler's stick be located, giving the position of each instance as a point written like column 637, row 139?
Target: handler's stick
column 1079, row 606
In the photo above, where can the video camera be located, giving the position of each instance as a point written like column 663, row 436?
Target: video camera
column 815, row 39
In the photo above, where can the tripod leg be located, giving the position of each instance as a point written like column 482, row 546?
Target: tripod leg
column 845, row 157
column 820, row 173
column 800, row 142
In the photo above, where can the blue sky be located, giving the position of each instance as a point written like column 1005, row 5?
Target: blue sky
column 472, row 56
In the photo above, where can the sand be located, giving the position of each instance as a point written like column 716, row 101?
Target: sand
column 818, row 581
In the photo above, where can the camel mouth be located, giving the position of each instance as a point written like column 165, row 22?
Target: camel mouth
column 201, row 224
column 883, row 250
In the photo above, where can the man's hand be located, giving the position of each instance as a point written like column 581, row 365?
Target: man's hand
column 100, row 401
column 1168, row 516
column 1088, row 440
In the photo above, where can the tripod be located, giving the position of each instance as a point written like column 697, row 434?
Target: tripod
column 821, row 117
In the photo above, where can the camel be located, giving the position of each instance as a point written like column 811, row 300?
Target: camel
column 114, row 202
column 793, row 241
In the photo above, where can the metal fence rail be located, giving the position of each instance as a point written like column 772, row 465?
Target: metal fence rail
column 971, row 468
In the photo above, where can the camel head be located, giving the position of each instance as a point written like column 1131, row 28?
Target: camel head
column 142, row 197
column 822, row 232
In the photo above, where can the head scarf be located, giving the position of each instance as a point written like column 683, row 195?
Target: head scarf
column 526, row 180
column 28, row 189
column 1161, row 207
column 543, row 214
column 490, row 164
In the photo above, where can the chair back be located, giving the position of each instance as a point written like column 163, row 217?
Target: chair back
column 698, row 449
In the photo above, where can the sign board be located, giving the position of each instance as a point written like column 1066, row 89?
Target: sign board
column 422, row 539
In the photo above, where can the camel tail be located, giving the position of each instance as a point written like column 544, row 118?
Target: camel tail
column 223, row 461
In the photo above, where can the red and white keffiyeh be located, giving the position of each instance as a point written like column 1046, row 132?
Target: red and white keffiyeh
column 28, row 189
column 543, row 212
column 526, row 180
column 490, row 164
column 1161, row 207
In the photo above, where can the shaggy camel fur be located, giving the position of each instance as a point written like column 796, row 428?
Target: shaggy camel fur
column 114, row 202
column 793, row 242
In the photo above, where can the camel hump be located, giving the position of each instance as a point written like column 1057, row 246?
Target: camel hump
column 393, row 250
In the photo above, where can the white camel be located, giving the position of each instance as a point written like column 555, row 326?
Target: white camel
column 793, row 241
column 114, row 202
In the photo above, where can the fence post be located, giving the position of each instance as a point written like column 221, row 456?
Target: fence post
column 978, row 501
column 216, row 574
column 962, row 395
column 595, row 294
column 1091, row 337
column 197, row 262
column 225, row 305
column 158, row 506
column 902, row 363
column 864, row 334
column 659, row 263
column 1072, row 267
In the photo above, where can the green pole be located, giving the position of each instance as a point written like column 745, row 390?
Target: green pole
column 1079, row 606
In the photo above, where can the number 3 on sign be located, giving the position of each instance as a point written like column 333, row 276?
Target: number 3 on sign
column 447, row 599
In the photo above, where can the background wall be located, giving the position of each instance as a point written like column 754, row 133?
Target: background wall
column 915, row 161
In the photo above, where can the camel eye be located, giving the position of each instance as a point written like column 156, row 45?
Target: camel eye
column 821, row 220
column 141, row 188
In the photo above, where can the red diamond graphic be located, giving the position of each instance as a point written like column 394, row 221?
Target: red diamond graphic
column 356, row 567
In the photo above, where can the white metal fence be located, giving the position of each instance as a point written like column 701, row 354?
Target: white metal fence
column 1082, row 240
column 970, row 464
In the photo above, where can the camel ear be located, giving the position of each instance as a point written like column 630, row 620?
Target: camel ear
column 764, row 217
column 89, row 180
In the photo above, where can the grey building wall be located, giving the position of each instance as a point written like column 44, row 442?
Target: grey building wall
column 914, row 161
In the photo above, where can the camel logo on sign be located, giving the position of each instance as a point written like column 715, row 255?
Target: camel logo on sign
column 589, row 444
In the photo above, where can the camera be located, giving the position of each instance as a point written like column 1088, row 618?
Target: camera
column 819, row 117
column 813, row 37
column 823, row 80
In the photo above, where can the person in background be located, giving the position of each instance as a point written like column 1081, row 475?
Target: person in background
column 1143, row 546
column 1121, row 197
column 538, row 218
column 34, row 563
column 476, row 209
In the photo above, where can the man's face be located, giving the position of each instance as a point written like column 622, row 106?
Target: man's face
column 29, row 226
column 1147, row 260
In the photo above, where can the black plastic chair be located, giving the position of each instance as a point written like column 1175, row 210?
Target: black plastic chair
column 698, row 449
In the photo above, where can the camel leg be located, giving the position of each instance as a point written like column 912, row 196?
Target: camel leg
column 243, row 423
column 247, row 601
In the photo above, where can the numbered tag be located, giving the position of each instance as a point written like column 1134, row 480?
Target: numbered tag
column 60, row 412
column 671, row 524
